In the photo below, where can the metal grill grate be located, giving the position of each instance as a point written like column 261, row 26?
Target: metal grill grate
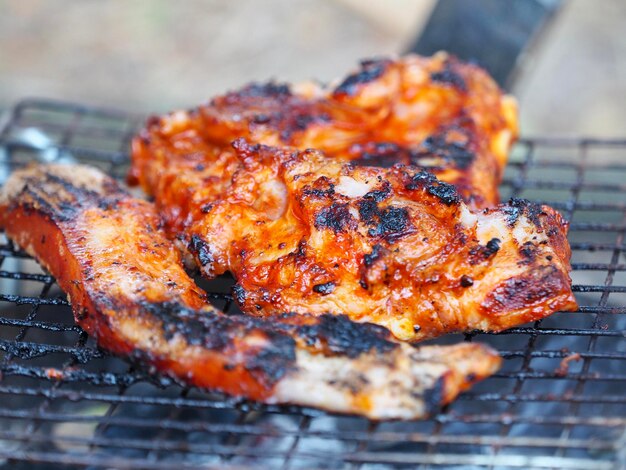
column 558, row 402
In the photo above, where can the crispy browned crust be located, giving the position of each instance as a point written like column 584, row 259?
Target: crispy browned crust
column 436, row 113
column 300, row 233
column 128, row 289
column 403, row 253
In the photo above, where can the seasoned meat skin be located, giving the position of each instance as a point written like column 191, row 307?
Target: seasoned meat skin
column 129, row 291
column 437, row 113
column 394, row 246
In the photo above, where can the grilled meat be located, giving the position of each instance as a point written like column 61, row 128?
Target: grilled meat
column 394, row 246
column 436, row 113
column 128, row 289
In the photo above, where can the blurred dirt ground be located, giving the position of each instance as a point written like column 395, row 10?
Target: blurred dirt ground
column 152, row 56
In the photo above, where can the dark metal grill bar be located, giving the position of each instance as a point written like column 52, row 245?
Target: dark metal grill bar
column 168, row 445
column 557, row 403
column 581, row 381
column 446, row 460
column 367, row 436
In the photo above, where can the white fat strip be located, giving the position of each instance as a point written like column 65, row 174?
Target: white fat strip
column 467, row 218
column 352, row 188
column 492, row 226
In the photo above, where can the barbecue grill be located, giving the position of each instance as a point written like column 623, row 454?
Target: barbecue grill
column 558, row 401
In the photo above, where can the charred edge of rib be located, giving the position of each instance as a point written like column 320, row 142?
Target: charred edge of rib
column 527, row 290
column 199, row 248
column 449, row 76
column 64, row 205
column 438, row 145
column 378, row 154
column 342, row 336
column 516, row 207
column 434, row 396
column 371, row 69
column 445, row 192
column 267, row 90
column 206, row 329
column 271, row 363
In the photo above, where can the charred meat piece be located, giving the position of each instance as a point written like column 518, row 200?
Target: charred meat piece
column 129, row 291
column 394, row 246
column 439, row 114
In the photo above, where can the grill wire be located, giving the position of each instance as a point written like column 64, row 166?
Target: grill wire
column 558, row 401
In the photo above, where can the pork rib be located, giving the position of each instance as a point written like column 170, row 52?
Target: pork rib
column 303, row 232
column 128, row 289
column 436, row 113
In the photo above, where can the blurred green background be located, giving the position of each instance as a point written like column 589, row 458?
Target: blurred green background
column 156, row 55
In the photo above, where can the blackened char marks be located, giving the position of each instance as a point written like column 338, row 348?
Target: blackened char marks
column 270, row 364
column 466, row 281
column 342, row 336
column 199, row 328
column 421, row 180
column 393, row 220
column 336, row 217
column 438, row 145
column 492, row 246
column 479, row 253
column 445, row 192
column 325, row 288
column 272, row 106
column 79, row 193
column 297, row 119
column 61, row 200
column 262, row 90
column 35, row 201
column 517, row 207
column 391, row 223
column 321, row 188
column 368, row 210
column 336, row 334
column 434, row 397
column 525, row 291
column 449, row 76
column 370, row 71
column 199, row 248
column 267, row 363
column 528, row 253
column 379, row 195
column 378, row 154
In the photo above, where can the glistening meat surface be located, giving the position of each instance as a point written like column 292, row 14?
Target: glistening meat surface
column 303, row 232
column 436, row 113
column 128, row 289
